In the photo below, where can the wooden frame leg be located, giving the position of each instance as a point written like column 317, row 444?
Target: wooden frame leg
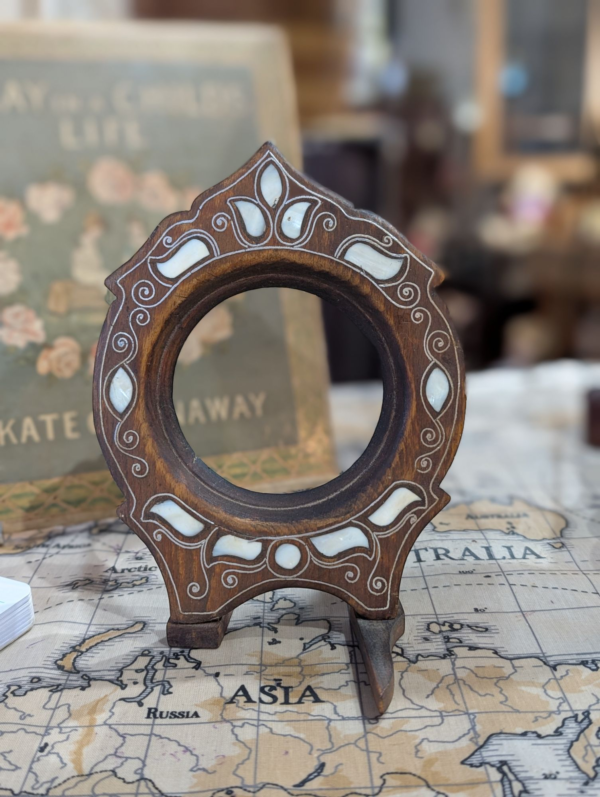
column 376, row 639
column 197, row 635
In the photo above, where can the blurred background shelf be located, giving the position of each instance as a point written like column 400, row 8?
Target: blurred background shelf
column 473, row 127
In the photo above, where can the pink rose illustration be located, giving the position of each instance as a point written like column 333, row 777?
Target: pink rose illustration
column 20, row 325
column 155, row 192
column 12, row 217
column 217, row 325
column 10, row 274
column 87, row 264
column 49, row 200
column 62, row 359
column 111, row 182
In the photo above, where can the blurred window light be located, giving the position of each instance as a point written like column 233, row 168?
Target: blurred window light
column 394, row 78
column 514, row 80
column 542, row 74
column 467, row 115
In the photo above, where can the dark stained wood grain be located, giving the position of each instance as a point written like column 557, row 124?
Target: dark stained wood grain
column 376, row 640
column 197, row 635
column 147, row 453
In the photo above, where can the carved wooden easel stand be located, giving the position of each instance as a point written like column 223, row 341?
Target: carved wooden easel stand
column 218, row 545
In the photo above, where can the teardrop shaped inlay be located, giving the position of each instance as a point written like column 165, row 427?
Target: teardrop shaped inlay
column 293, row 216
column 380, row 266
column 437, row 389
column 393, row 505
column 230, row 545
column 190, row 253
column 341, row 540
column 181, row 520
column 252, row 216
column 270, row 185
column 121, row 390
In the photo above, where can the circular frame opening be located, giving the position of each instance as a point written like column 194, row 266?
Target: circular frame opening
column 342, row 287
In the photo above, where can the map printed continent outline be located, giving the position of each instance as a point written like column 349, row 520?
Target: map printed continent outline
column 497, row 677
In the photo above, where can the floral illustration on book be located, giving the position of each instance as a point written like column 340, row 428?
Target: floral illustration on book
column 39, row 332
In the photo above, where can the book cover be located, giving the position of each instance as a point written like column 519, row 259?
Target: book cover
column 104, row 130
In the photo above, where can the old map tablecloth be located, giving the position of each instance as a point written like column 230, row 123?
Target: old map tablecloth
column 497, row 675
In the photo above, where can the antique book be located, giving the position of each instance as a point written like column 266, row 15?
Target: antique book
column 106, row 129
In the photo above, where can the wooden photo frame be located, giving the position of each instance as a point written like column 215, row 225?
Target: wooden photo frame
column 218, row 545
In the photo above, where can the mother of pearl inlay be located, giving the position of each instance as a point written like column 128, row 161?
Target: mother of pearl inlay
column 291, row 224
column 270, row 185
column 253, row 218
column 437, row 389
column 121, row 390
column 287, row 556
column 393, row 505
column 341, row 540
column 382, row 267
column 230, row 545
column 190, row 253
column 181, row 520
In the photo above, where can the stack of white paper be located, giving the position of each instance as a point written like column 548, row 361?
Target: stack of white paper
column 16, row 610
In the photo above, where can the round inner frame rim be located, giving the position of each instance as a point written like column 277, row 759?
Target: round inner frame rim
column 315, row 504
